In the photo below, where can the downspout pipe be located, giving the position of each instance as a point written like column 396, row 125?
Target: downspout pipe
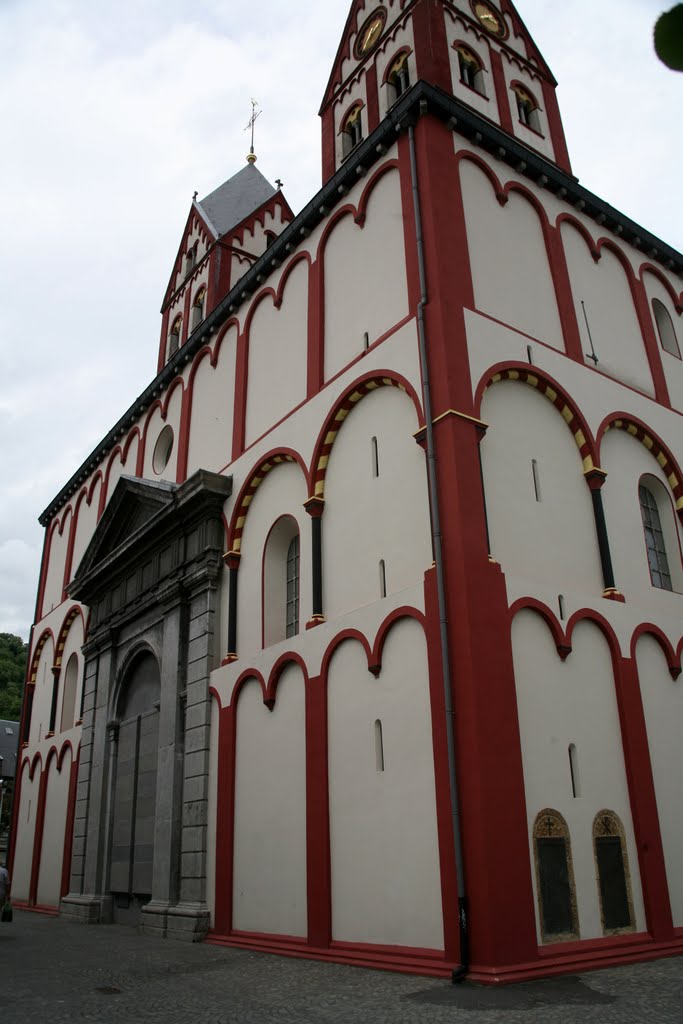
column 435, row 518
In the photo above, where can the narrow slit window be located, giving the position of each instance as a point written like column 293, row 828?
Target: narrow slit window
column 537, row 479
column 530, row 354
column 374, row 447
column 382, row 578
column 560, row 602
column 574, row 771
column 366, row 341
column 379, row 747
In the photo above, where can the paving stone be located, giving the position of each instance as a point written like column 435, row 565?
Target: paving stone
column 57, row 971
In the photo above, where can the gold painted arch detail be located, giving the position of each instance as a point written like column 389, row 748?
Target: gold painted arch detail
column 656, row 448
column 248, row 496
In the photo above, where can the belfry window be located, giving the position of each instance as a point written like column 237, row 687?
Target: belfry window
column 190, row 260
column 174, row 336
column 293, row 587
column 665, row 329
column 398, row 78
column 352, row 131
column 527, row 108
column 198, row 308
column 654, row 540
column 471, row 70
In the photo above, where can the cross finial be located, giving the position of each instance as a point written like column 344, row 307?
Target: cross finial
column 194, row 196
column 278, row 183
column 251, row 158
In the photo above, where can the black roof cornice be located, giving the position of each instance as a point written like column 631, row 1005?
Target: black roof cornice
column 419, row 100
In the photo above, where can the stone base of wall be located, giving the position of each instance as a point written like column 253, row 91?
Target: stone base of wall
column 188, row 922
column 86, row 909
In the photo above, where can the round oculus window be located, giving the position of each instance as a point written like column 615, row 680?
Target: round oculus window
column 162, row 450
column 369, row 33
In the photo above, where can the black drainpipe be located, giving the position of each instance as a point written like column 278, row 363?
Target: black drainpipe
column 460, row 971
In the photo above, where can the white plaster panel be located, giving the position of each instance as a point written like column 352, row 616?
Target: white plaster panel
column 156, row 425
column 56, row 800
column 212, row 812
column 458, row 30
column 42, row 697
column 663, row 707
column 673, row 366
column 519, row 292
column 554, row 539
column 626, row 461
column 383, row 839
column 85, row 525
column 604, row 290
column 282, row 492
column 368, row 517
column 357, row 302
column 72, row 645
column 26, row 827
column 269, row 886
column 54, row 583
column 573, row 702
column 278, row 350
column 118, row 468
column 210, row 443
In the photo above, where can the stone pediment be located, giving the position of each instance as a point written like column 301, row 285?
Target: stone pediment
column 133, row 507
column 150, row 532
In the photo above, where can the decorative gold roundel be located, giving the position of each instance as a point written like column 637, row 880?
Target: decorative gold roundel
column 490, row 19
column 369, row 33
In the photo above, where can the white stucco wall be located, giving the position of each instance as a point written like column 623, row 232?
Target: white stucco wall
column 573, row 702
column 553, row 540
column 384, row 851
column 26, row 826
column 614, row 328
column 358, row 302
column 57, row 797
column 278, row 347
column 210, row 443
column 519, row 292
column 663, row 707
column 85, row 525
column 283, row 491
column 626, row 461
column 368, row 517
column 57, row 561
column 42, row 697
column 269, row 882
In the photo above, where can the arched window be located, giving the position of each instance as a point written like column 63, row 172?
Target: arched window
column 190, row 259
column 292, row 618
column 471, row 70
column 398, row 78
column 527, row 108
column 69, row 697
column 654, row 537
column 281, row 582
column 611, row 861
column 352, row 131
column 174, row 336
column 555, row 877
column 665, row 327
column 198, row 308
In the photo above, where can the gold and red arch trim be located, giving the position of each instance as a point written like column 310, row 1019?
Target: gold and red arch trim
column 656, row 448
column 35, row 660
column 63, row 634
column 333, row 425
column 561, row 403
column 248, row 496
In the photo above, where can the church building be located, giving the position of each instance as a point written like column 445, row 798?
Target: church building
column 358, row 636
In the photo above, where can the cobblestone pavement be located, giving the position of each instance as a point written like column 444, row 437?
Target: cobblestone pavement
column 58, row 972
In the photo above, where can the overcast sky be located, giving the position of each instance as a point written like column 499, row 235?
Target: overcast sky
column 114, row 113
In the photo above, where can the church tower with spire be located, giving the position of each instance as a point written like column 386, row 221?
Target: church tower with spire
column 358, row 634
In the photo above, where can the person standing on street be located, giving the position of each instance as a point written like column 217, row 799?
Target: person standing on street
column 4, row 886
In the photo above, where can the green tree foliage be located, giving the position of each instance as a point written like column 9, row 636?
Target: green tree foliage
column 13, row 655
column 669, row 38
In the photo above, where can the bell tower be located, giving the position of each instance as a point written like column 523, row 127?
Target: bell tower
column 478, row 51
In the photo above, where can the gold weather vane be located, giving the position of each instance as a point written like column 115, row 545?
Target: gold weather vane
column 251, row 158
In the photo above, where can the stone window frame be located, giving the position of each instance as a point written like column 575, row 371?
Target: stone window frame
column 599, row 828
column 541, row 831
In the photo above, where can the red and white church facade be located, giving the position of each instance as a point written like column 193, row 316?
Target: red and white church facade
column 358, row 636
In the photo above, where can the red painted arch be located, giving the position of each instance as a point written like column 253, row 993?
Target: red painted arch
column 335, row 644
column 276, row 672
column 653, row 443
column 555, row 393
column 69, row 619
column 397, row 615
column 361, row 387
column 244, row 677
column 650, row 268
column 673, row 658
column 552, row 622
column 46, row 635
column 276, row 457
